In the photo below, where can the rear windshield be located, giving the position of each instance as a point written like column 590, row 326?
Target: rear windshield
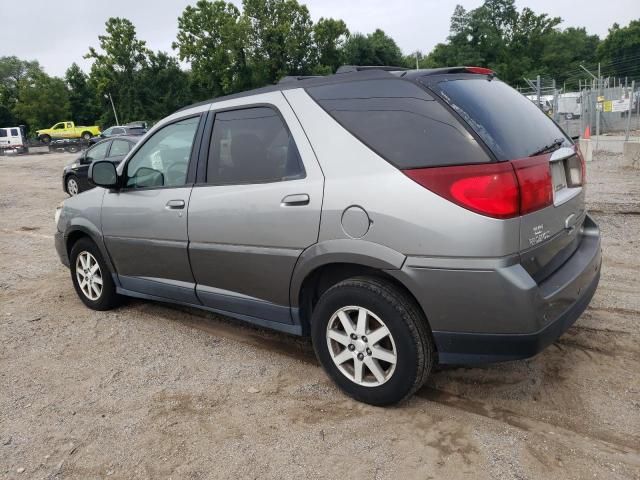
column 401, row 122
column 510, row 124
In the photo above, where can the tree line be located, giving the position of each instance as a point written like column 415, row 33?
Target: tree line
column 228, row 50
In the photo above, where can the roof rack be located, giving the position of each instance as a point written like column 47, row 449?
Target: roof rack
column 296, row 78
column 359, row 68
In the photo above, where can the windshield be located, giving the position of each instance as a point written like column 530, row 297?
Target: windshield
column 510, row 124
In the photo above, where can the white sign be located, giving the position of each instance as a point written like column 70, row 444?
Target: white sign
column 620, row 105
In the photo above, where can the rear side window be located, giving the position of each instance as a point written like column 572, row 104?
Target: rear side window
column 510, row 124
column 14, row 132
column 401, row 122
column 252, row 145
column 3, row 132
column 119, row 147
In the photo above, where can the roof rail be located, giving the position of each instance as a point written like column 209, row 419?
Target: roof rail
column 296, row 78
column 359, row 68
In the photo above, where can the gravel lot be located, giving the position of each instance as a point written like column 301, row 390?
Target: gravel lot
column 155, row 391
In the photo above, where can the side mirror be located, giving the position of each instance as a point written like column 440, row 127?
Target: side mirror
column 103, row 174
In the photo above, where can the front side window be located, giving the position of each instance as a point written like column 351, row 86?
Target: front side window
column 119, row 148
column 99, row 152
column 163, row 160
column 252, row 145
column 58, row 126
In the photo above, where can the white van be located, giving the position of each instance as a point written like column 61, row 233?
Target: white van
column 13, row 139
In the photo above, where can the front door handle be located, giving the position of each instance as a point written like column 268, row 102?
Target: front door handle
column 297, row 200
column 175, row 205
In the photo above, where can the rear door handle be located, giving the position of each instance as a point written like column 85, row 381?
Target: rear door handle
column 175, row 205
column 297, row 200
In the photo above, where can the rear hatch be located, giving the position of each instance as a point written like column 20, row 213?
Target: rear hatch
column 516, row 131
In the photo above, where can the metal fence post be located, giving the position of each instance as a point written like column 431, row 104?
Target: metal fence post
column 630, row 112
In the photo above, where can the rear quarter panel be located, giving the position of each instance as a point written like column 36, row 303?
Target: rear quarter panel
column 403, row 215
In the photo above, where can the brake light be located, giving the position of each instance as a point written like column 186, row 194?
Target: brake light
column 480, row 70
column 489, row 189
column 499, row 190
column 534, row 179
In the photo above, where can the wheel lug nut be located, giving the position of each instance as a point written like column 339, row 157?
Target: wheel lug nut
column 364, row 339
column 360, row 356
column 354, row 336
column 368, row 351
column 351, row 347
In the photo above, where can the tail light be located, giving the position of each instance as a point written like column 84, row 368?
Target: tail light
column 498, row 190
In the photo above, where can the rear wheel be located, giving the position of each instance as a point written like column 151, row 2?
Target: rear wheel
column 46, row 139
column 91, row 276
column 86, row 136
column 372, row 340
column 73, row 187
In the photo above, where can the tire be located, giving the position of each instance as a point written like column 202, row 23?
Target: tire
column 73, row 185
column 73, row 149
column 85, row 251
column 86, row 136
column 409, row 339
column 46, row 139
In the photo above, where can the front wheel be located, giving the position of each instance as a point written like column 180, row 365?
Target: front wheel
column 91, row 276
column 46, row 139
column 372, row 340
column 73, row 187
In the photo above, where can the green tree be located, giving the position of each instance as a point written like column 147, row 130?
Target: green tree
column 280, row 39
column 329, row 36
column 373, row 49
column 12, row 73
column 620, row 51
column 213, row 37
column 116, row 71
column 42, row 101
column 82, row 97
column 497, row 36
column 165, row 87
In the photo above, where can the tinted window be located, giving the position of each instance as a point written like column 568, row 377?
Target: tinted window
column 3, row 132
column 14, row 132
column 97, row 152
column 164, row 158
column 401, row 122
column 108, row 131
column 511, row 125
column 252, row 145
column 119, row 147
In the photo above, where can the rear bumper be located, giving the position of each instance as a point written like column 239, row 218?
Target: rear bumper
column 496, row 314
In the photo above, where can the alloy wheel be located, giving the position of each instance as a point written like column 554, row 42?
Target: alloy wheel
column 89, row 275
column 72, row 187
column 361, row 346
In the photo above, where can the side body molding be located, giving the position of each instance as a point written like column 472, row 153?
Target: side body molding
column 343, row 250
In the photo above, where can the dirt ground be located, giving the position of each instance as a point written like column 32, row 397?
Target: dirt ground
column 155, row 391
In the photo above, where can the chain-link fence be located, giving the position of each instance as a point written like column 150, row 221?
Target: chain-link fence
column 609, row 107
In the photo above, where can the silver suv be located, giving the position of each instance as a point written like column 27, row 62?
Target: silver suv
column 402, row 219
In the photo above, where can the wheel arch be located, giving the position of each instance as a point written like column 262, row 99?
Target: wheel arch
column 82, row 229
column 328, row 263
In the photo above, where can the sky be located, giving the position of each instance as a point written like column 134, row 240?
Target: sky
column 61, row 35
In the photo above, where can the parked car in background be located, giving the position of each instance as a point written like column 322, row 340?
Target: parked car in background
column 67, row 130
column 13, row 139
column 74, row 175
column 400, row 218
column 116, row 131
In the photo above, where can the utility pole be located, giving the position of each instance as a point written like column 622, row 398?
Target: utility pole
column 114, row 108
